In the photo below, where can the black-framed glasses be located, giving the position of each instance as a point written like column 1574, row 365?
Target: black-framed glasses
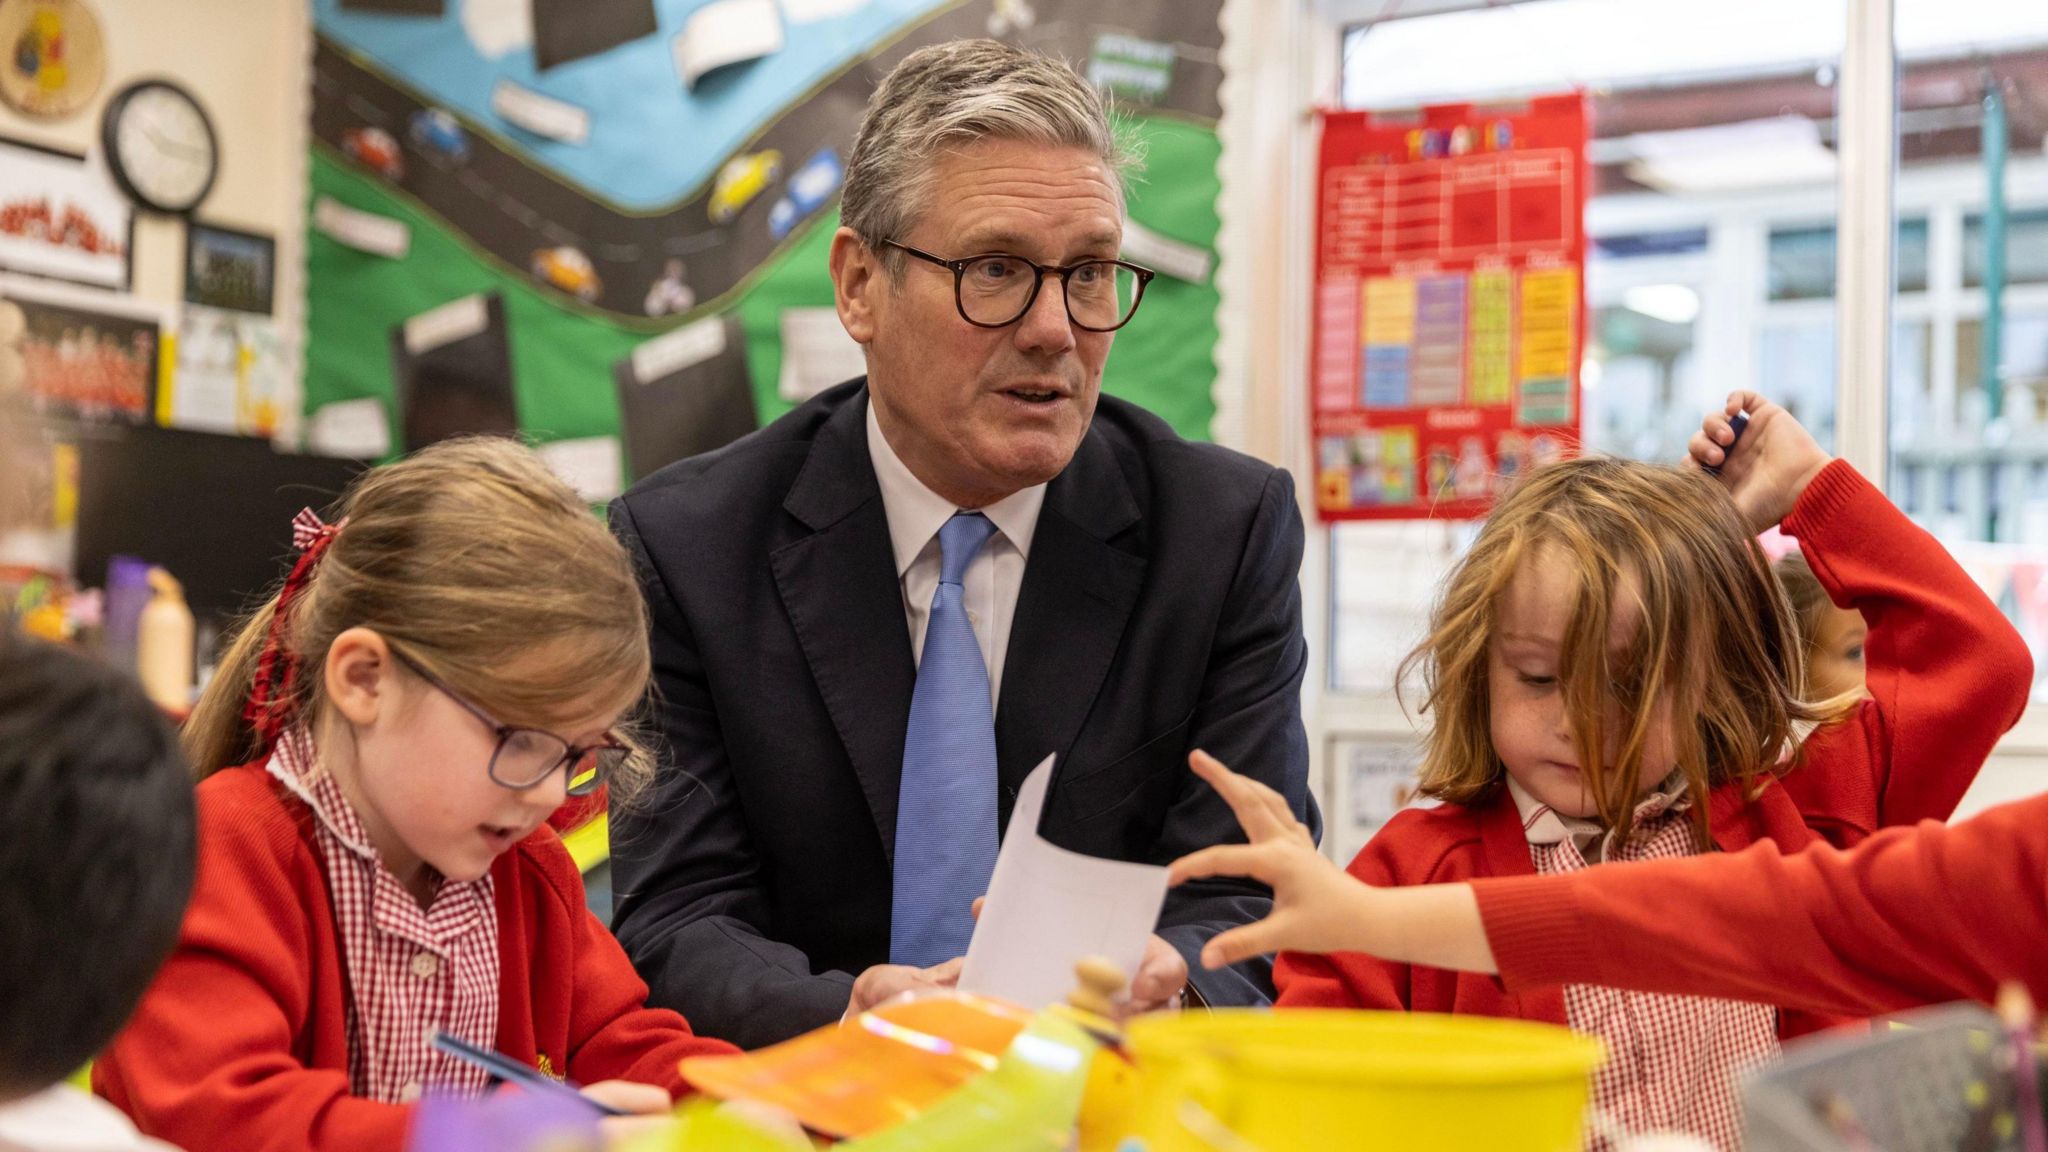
column 526, row 756
column 996, row 289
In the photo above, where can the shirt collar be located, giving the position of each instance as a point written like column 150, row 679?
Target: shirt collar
column 916, row 513
column 294, row 761
column 1542, row 824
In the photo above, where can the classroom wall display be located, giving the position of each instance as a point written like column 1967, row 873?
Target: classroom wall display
column 60, row 218
column 55, row 59
column 685, row 393
column 232, row 373
column 1449, row 305
column 514, row 148
column 454, row 370
column 86, row 359
column 228, row 268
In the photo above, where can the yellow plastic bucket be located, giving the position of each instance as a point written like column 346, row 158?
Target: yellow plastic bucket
column 1276, row 1081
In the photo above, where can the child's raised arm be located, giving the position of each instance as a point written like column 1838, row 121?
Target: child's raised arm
column 1946, row 673
column 1858, row 932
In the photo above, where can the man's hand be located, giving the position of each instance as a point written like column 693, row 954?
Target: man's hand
column 884, row 982
column 1161, row 976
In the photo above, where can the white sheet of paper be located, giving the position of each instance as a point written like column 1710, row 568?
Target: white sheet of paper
column 590, row 466
column 1048, row 909
column 204, row 389
column 357, row 428
column 363, row 231
column 677, row 350
column 727, row 32
column 455, row 320
column 540, row 114
column 816, row 353
column 1164, row 254
column 809, row 11
column 497, row 27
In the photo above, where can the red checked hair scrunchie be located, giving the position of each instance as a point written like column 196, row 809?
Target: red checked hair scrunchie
column 269, row 707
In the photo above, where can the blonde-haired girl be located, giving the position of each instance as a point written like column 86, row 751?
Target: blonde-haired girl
column 1614, row 674
column 378, row 756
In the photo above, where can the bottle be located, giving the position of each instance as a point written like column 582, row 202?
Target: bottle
column 163, row 645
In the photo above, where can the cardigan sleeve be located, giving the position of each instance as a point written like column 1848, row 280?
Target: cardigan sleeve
column 1946, row 672
column 613, row 1034
column 1910, row 916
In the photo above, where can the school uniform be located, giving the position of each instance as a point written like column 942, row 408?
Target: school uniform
column 1946, row 675
column 293, row 1012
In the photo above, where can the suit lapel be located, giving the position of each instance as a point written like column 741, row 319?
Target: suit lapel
column 839, row 586
column 1078, row 592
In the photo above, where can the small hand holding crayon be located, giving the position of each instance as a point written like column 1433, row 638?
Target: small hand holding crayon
column 1761, row 454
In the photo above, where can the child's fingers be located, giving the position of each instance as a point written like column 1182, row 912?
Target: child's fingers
column 1701, row 451
column 630, row 1097
column 1742, row 400
column 1247, row 797
column 628, row 1131
column 1285, row 823
column 1251, row 860
column 1243, row 943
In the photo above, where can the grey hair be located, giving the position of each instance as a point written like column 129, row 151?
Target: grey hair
column 955, row 94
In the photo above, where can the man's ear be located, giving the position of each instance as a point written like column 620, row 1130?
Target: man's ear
column 857, row 278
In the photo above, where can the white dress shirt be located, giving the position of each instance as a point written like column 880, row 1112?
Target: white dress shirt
column 916, row 513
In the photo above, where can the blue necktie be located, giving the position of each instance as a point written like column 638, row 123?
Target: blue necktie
column 946, row 807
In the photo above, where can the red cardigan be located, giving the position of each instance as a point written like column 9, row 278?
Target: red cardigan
column 1946, row 675
column 1909, row 916
column 242, row 1041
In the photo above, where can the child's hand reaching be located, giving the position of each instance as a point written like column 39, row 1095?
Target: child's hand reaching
column 1772, row 465
column 647, row 1110
column 1316, row 907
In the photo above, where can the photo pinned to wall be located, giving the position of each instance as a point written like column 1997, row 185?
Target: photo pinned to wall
column 398, row 7
column 229, row 268
column 1378, row 779
column 232, row 375
column 83, row 355
column 453, row 366
column 685, row 393
column 61, row 218
column 566, row 30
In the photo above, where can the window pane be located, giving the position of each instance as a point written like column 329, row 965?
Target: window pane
column 1803, row 261
column 1642, row 397
column 2026, row 248
column 1696, row 105
column 1970, row 462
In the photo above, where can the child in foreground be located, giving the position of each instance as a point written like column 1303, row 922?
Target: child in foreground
column 379, row 754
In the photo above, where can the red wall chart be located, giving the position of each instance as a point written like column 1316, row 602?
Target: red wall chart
column 1449, row 304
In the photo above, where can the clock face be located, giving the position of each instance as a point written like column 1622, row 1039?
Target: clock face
column 162, row 147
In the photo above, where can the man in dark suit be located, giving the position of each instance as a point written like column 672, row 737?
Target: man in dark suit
column 873, row 618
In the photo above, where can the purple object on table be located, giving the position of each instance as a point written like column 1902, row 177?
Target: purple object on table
column 506, row 1122
column 127, row 594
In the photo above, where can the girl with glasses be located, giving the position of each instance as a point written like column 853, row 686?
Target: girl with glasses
column 378, row 758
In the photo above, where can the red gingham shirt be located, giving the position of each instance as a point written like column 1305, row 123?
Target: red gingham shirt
column 1674, row 1063
column 411, row 971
